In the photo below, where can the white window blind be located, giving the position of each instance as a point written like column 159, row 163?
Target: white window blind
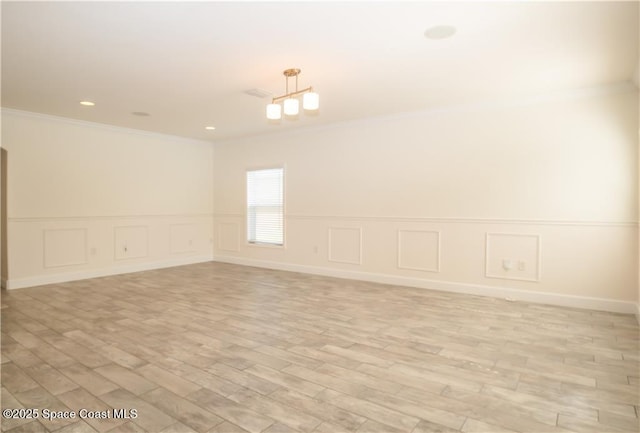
column 265, row 206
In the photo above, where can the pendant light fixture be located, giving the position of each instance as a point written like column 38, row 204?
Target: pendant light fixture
column 290, row 102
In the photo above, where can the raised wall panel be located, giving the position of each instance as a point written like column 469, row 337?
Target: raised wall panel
column 345, row 245
column 131, row 242
column 57, row 250
column 228, row 236
column 513, row 256
column 65, row 247
column 183, row 238
column 419, row 250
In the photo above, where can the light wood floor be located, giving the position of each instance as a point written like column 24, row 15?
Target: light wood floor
column 223, row 348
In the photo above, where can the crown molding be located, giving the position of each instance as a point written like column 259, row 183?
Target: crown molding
column 622, row 87
column 4, row 111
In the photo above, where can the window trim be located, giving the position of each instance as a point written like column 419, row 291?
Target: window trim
column 284, row 207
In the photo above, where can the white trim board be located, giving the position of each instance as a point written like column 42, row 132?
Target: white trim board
column 105, row 217
column 584, row 302
column 41, row 280
column 448, row 220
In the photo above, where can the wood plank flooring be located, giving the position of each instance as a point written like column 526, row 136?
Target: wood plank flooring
column 219, row 348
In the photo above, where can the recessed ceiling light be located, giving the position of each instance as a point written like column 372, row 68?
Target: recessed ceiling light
column 439, row 32
column 87, row 103
column 140, row 113
column 210, row 128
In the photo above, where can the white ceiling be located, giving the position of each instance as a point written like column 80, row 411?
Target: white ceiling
column 188, row 64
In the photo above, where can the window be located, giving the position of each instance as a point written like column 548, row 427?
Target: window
column 265, row 206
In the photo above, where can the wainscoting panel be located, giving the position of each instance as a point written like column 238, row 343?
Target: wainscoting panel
column 345, row 245
column 53, row 250
column 131, row 242
column 228, row 236
column 183, row 238
column 583, row 264
column 65, row 247
column 513, row 256
column 419, row 250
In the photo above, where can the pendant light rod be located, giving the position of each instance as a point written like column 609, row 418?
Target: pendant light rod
column 296, row 93
column 288, row 73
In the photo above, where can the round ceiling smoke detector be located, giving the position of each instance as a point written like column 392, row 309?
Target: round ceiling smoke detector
column 439, row 32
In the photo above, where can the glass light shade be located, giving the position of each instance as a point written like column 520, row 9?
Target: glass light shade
column 291, row 106
column 311, row 101
column 274, row 111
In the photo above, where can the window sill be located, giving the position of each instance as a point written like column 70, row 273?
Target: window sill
column 265, row 245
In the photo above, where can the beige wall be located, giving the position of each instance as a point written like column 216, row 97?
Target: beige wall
column 87, row 199
column 437, row 200
column 443, row 199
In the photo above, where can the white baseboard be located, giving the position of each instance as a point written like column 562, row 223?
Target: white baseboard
column 40, row 280
column 447, row 286
column 584, row 302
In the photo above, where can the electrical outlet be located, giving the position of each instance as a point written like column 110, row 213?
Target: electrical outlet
column 521, row 265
